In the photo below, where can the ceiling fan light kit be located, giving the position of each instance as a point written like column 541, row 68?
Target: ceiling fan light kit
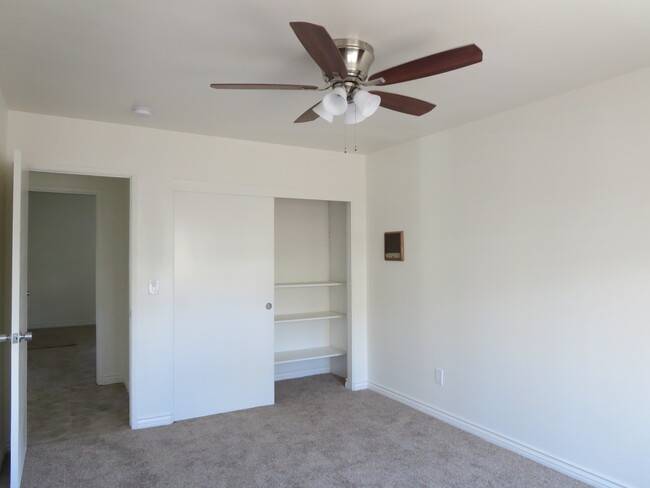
column 345, row 64
column 340, row 101
column 367, row 102
column 353, row 115
column 336, row 102
column 323, row 113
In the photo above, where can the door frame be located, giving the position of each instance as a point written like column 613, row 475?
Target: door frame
column 133, row 182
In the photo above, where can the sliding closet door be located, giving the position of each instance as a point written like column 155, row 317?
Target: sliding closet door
column 223, row 288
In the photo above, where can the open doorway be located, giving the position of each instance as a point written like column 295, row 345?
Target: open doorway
column 78, row 275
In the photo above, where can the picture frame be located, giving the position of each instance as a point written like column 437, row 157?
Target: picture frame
column 394, row 246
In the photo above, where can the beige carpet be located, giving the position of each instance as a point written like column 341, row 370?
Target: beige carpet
column 63, row 399
column 318, row 434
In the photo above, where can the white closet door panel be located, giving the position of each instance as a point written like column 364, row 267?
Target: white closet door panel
column 223, row 279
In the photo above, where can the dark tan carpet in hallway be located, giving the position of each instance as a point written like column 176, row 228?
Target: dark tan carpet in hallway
column 63, row 399
column 318, row 434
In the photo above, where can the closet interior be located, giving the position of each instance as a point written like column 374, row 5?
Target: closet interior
column 312, row 269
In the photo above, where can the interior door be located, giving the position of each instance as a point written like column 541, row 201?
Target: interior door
column 223, row 291
column 19, row 334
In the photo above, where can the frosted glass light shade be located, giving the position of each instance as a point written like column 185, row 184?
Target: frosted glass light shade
column 322, row 113
column 366, row 102
column 336, row 102
column 353, row 115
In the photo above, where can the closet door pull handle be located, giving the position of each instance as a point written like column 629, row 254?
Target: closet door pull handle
column 269, row 306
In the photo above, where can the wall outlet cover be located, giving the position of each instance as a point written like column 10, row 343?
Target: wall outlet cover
column 440, row 377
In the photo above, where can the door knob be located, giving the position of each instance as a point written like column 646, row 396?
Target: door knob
column 16, row 338
column 269, row 306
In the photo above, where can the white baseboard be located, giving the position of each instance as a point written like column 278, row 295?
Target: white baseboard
column 362, row 385
column 300, row 373
column 153, row 422
column 111, row 379
column 51, row 325
column 565, row 467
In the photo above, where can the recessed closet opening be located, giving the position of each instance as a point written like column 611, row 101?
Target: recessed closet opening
column 261, row 293
column 312, row 273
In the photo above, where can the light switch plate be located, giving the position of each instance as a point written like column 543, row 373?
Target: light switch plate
column 154, row 287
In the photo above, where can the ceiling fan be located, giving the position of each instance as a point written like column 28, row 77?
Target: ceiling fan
column 345, row 64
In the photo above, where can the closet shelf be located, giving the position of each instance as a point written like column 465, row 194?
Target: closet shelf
column 302, row 317
column 303, row 354
column 306, row 284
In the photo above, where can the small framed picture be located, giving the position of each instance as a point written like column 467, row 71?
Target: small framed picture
column 394, row 246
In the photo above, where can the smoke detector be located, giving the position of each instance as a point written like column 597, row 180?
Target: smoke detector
column 142, row 112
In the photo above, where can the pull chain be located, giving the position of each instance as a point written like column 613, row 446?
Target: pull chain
column 355, row 131
column 354, row 135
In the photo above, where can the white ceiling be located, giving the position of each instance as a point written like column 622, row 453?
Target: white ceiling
column 95, row 59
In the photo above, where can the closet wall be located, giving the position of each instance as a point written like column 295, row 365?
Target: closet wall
column 311, row 292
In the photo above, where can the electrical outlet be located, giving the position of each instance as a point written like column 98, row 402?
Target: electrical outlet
column 440, row 377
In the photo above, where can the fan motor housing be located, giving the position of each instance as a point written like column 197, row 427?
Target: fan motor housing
column 357, row 55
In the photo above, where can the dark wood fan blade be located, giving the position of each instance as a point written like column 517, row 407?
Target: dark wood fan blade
column 260, row 86
column 431, row 65
column 404, row 104
column 320, row 46
column 308, row 116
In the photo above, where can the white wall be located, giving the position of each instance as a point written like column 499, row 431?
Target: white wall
column 5, row 240
column 339, row 252
column 301, row 243
column 111, row 311
column 526, row 279
column 61, row 266
column 161, row 161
